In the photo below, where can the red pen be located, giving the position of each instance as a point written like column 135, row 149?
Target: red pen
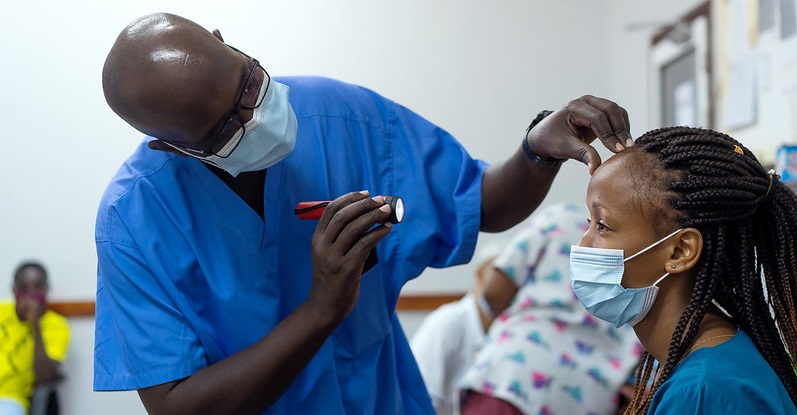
column 314, row 210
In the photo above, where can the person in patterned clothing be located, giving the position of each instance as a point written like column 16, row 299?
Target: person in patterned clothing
column 545, row 354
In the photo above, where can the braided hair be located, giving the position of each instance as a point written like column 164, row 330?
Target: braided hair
column 748, row 220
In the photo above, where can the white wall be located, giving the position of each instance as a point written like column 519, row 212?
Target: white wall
column 617, row 68
column 479, row 69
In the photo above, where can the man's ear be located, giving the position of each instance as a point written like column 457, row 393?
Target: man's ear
column 161, row 146
column 218, row 35
column 687, row 248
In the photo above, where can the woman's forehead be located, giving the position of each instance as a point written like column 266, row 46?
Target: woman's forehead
column 616, row 174
column 618, row 185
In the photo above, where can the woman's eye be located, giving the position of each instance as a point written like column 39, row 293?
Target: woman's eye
column 600, row 227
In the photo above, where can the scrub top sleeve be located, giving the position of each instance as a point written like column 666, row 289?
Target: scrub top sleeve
column 141, row 339
column 441, row 187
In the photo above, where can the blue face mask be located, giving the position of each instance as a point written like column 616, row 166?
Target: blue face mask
column 597, row 273
column 270, row 136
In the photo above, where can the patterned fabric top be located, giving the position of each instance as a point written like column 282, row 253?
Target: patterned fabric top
column 546, row 354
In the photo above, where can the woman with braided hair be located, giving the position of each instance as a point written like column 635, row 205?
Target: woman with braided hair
column 692, row 242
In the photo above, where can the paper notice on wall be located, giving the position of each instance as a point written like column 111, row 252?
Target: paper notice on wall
column 739, row 103
column 685, row 103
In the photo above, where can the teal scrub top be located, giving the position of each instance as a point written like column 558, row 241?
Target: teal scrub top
column 727, row 379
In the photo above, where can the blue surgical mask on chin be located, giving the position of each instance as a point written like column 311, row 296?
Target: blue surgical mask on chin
column 597, row 273
column 270, row 136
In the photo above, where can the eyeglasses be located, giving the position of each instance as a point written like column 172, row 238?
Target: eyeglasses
column 249, row 98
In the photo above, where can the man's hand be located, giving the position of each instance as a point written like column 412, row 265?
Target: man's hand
column 349, row 229
column 568, row 132
column 511, row 190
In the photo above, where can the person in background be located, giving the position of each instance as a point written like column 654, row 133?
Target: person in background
column 33, row 340
column 214, row 297
column 545, row 354
column 446, row 342
column 699, row 257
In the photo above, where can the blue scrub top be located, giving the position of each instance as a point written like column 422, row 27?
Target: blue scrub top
column 730, row 378
column 189, row 274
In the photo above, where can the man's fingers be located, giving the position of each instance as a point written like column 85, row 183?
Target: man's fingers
column 594, row 117
column 613, row 127
column 591, row 158
column 358, row 219
column 348, row 222
column 589, row 123
column 629, row 141
column 366, row 243
column 569, row 131
column 338, row 204
column 587, row 154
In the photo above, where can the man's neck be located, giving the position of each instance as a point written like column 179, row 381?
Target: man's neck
column 247, row 185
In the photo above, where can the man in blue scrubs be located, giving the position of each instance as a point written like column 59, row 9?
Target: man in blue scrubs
column 213, row 297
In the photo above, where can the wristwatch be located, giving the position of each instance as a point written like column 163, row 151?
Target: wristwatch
column 536, row 158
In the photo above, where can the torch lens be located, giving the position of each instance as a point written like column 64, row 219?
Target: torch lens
column 398, row 209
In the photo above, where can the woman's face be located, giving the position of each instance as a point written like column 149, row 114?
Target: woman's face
column 617, row 222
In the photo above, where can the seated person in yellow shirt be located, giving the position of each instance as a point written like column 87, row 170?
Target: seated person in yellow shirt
column 33, row 340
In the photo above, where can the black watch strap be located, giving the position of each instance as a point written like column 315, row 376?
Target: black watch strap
column 540, row 116
column 536, row 158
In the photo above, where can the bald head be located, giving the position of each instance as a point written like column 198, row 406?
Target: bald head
column 170, row 78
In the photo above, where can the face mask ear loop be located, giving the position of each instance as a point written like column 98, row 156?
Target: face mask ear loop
column 659, row 280
column 485, row 306
column 179, row 149
column 204, row 160
column 651, row 246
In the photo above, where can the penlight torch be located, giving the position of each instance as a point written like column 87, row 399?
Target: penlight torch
column 314, row 210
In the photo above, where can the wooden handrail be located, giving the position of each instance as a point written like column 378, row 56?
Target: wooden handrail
column 425, row 302
column 407, row 302
column 73, row 308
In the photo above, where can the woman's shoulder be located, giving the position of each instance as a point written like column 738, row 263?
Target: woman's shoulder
column 729, row 378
